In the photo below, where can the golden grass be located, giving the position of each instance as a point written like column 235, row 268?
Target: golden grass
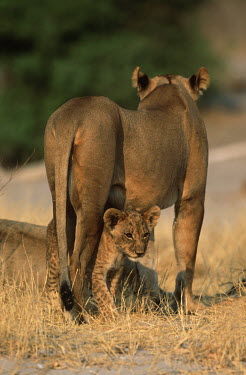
column 221, row 256
column 31, row 328
column 215, row 340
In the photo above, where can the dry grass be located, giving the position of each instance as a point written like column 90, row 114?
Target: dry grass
column 214, row 339
column 221, row 257
column 159, row 343
column 156, row 342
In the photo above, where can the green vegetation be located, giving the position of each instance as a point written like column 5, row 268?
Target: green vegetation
column 52, row 52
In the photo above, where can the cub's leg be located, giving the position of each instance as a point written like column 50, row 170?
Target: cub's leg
column 104, row 262
column 52, row 255
column 52, row 258
column 186, row 230
column 115, row 280
column 103, row 297
column 147, row 271
column 52, row 261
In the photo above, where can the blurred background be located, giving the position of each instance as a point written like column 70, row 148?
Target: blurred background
column 53, row 51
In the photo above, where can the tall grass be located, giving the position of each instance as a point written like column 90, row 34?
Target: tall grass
column 31, row 327
column 215, row 339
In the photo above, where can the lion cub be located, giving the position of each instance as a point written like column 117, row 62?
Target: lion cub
column 125, row 233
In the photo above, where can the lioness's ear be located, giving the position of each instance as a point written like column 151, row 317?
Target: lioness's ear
column 111, row 217
column 152, row 216
column 199, row 82
column 139, row 79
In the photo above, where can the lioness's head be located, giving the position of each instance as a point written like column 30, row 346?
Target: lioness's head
column 195, row 85
column 130, row 229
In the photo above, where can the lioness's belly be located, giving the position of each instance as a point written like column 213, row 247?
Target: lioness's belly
column 151, row 168
column 143, row 194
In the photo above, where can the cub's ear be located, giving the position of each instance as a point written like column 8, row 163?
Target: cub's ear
column 139, row 79
column 111, row 218
column 152, row 216
column 199, row 82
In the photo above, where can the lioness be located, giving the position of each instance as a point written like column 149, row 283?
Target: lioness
column 22, row 253
column 23, row 261
column 125, row 234
column 99, row 155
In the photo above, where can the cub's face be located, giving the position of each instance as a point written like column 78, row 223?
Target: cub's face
column 131, row 229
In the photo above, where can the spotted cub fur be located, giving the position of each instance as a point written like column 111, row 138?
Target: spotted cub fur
column 125, row 234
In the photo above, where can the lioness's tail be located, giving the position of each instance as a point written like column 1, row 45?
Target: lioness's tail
column 64, row 137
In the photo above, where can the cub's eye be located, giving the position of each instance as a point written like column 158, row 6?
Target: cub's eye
column 129, row 235
column 146, row 235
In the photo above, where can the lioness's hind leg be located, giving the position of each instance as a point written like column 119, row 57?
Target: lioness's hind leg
column 91, row 176
column 85, row 244
column 186, row 231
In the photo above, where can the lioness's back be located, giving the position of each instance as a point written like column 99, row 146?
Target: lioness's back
column 81, row 110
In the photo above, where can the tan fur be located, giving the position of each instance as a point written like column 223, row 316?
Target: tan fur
column 23, row 252
column 23, row 261
column 99, row 155
column 124, row 234
column 195, row 85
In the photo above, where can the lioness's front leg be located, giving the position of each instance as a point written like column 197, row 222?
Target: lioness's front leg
column 186, row 230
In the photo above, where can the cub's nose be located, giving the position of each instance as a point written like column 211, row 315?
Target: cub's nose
column 140, row 252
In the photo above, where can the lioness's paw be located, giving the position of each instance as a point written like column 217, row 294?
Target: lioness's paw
column 192, row 307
